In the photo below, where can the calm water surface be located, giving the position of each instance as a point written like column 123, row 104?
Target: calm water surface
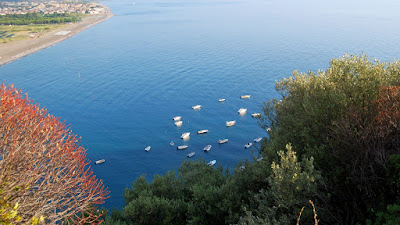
column 120, row 83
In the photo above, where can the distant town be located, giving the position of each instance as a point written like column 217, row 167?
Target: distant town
column 51, row 7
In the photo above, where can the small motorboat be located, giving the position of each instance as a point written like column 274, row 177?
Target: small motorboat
column 196, row 107
column 230, row 123
column 185, row 135
column 191, row 154
column 177, row 118
column 181, row 147
column 221, row 100
column 242, row 111
column 259, row 159
column 248, row 145
column 207, row 148
column 222, row 141
column 255, row 115
column 172, row 143
column 178, row 123
column 257, row 139
column 269, row 129
column 147, row 148
column 212, row 162
column 99, row 161
column 245, row 96
column 202, row 131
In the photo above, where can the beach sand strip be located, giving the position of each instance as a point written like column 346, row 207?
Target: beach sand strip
column 17, row 49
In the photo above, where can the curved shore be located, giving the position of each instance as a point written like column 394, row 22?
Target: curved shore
column 18, row 49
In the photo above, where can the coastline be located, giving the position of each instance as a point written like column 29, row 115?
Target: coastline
column 12, row 51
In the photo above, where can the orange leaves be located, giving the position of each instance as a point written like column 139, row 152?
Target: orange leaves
column 61, row 184
column 388, row 106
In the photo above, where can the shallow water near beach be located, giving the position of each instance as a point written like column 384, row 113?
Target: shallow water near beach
column 120, row 83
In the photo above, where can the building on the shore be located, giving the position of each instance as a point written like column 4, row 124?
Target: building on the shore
column 50, row 7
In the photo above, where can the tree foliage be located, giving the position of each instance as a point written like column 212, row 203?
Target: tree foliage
column 291, row 184
column 197, row 194
column 346, row 118
column 38, row 18
column 43, row 168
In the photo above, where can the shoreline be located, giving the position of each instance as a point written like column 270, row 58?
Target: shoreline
column 12, row 51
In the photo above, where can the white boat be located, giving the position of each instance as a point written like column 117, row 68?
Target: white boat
column 212, row 162
column 202, row 131
column 207, row 148
column 222, row 141
column 269, row 129
column 178, row 123
column 245, row 96
column 196, row 107
column 242, row 111
column 257, row 139
column 181, row 147
column 177, row 118
column 191, row 154
column 248, row 145
column 147, row 148
column 100, row 161
column 230, row 123
column 256, row 115
column 185, row 135
column 259, row 159
column 221, row 100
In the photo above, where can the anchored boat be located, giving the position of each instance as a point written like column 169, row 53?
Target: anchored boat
column 191, row 154
column 212, row 162
column 207, row 148
column 202, row 131
column 100, row 161
column 230, row 123
column 248, row 145
column 257, row 139
column 181, row 147
column 222, row 141
column 177, row 118
column 242, row 111
column 196, row 107
column 185, row 135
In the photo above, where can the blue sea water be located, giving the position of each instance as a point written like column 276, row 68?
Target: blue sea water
column 120, row 83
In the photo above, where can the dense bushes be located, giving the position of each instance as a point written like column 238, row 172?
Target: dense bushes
column 348, row 119
column 344, row 128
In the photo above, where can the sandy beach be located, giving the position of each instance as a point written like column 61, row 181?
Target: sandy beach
column 16, row 49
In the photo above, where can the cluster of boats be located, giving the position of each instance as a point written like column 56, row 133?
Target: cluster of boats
column 178, row 122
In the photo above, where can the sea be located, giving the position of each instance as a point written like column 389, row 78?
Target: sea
column 119, row 84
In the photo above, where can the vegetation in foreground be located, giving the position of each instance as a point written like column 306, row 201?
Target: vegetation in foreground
column 333, row 138
column 44, row 174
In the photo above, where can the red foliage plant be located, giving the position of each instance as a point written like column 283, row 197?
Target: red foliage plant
column 42, row 166
column 388, row 104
